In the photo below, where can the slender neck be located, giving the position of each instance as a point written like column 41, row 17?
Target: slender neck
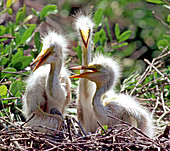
column 53, row 79
column 99, row 109
column 98, row 95
column 86, row 54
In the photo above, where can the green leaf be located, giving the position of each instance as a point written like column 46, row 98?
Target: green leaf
column 108, row 29
column 17, row 38
column 10, row 11
column 37, row 40
column 105, row 127
column 3, row 90
column 4, row 61
column 125, row 35
column 100, row 49
column 163, row 43
column 120, row 45
column 15, row 87
column 168, row 18
column 2, row 30
column 27, row 34
column 21, row 62
column 47, row 10
column 35, row 13
column 100, row 36
column 79, row 52
column 167, row 37
column 117, row 31
column 98, row 16
column 12, row 28
column 17, row 55
column 8, row 3
column 155, row 1
column 21, row 14
column 96, row 37
column 7, row 75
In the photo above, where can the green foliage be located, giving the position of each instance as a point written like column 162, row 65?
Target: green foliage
column 28, row 32
column 8, row 3
column 16, row 87
column 124, row 36
column 3, row 90
column 155, row 1
column 117, row 31
column 47, row 10
column 98, row 17
column 164, row 43
column 21, row 15
column 79, row 52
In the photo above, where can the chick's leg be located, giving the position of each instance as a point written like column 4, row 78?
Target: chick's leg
column 55, row 111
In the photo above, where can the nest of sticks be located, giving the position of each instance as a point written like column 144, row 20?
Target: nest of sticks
column 122, row 136
column 14, row 136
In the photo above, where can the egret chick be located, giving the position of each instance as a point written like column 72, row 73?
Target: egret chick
column 48, row 87
column 105, row 72
column 86, row 89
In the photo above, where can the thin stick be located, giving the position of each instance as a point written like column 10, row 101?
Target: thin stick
column 158, row 18
column 101, row 127
column 11, row 98
column 15, row 73
column 83, row 131
column 27, row 120
column 68, row 126
column 138, row 130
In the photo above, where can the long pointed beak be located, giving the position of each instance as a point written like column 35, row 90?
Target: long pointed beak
column 85, row 74
column 85, row 35
column 42, row 57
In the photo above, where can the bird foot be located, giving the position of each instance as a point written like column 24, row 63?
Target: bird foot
column 55, row 111
column 40, row 112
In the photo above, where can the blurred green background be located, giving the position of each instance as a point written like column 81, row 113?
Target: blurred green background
column 135, row 15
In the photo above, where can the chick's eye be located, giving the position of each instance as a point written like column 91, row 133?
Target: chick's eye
column 98, row 67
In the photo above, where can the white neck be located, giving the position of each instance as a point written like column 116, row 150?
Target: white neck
column 53, row 82
column 99, row 109
column 86, row 56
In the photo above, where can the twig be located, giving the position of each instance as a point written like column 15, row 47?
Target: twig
column 8, row 122
column 15, row 73
column 83, row 131
column 11, row 98
column 158, row 18
column 140, row 80
column 101, row 127
column 138, row 130
column 157, row 70
column 68, row 126
column 8, row 36
column 28, row 120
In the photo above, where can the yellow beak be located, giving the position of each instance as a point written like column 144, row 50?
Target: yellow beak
column 85, row 74
column 42, row 57
column 85, row 35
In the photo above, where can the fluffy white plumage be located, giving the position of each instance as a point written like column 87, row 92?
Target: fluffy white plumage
column 48, row 86
column 86, row 89
column 84, row 22
column 106, row 73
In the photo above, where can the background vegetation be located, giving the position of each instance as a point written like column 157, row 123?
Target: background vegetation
column 130, row 30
